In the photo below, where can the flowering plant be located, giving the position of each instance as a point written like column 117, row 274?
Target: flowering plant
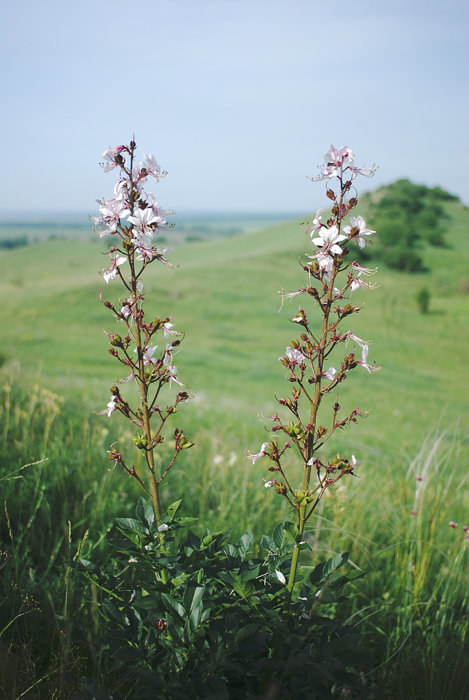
column 306, row 358
column 134, row 219
column 204, row 618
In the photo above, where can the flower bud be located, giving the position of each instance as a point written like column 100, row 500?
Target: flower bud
column 330, row 195
column 116, row 341
column 295, row 344
column 313, row 268
column 280, row 488
column 140, row 441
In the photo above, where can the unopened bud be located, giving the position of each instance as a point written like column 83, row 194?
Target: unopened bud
column 116, row 341
column 295, row 344
column 348, row 309
column 330, row 195
column 107, row 304
column 140, row 441
column 280, row 488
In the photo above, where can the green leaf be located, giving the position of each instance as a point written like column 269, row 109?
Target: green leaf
column 171, row 510
column 132, row 524
column 149, row 515
column 131, row 655
column 245, row 542
column 174, row 606
column 335, row 563
column 278, row 536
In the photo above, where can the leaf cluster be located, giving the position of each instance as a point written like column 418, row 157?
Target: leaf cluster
column 207, row 628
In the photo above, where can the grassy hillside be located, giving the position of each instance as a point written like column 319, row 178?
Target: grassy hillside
column 224, row 297
column 412, row 605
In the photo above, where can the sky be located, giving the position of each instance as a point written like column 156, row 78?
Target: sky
column 237, row 99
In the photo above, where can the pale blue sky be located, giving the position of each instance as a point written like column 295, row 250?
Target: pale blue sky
column 237, row 99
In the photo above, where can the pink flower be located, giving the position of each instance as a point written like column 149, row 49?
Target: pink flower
column 110, row 407
column 152, row 167
column 363, row 362
column 316, row 222
column 148, row 358
column 358, row 223
column 452, row 524
column 412, row 513
column 110, row 273
column 465, row 528
column 419, row 477
column 262, row 453
column 167, row 329
column 328, row 240
column 110, row 155
column 295, row 356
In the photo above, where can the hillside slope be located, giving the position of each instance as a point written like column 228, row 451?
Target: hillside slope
column 224, row 297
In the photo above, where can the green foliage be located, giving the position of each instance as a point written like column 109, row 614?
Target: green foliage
column 202, row 619
column 13, row 242
column 406, row 216
column 423, row 299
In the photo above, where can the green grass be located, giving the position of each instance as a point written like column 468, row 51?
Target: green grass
column 224, row 297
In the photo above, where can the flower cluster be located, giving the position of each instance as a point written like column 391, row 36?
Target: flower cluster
column 134, row 218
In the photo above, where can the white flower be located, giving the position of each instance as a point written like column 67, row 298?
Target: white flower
column 152, row 167
column 316, row 222
column 262, row 453
column 148, row 358
column 330, row 374
column 358, row 223
column 173, row 370
column 110, row 156
column 328, row 238
column 167, row 329
column 110, row 408
column 352, row 336
column 163, row 527
column 110, row 273
column 363, row 361
column 357, row 282
column 295, row 356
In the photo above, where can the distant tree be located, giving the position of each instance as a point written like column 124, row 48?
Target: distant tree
column 406, row 216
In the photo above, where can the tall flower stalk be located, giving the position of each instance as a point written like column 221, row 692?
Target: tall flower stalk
column 331, row 282
column 133, row 217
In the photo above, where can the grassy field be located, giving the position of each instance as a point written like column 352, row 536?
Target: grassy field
column 224, row 297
